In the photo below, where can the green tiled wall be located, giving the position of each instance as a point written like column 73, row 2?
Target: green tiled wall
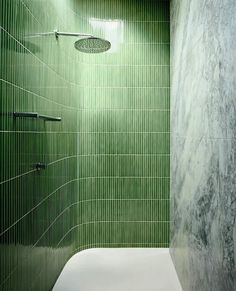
column 107, row 179
column 35, row 206
column 123, row 126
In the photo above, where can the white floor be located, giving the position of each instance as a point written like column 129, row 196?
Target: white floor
column 123, row 269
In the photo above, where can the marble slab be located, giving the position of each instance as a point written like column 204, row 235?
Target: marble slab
column 203, row 143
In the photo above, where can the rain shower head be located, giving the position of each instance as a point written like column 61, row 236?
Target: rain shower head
column 92, row 45
column 88, row 43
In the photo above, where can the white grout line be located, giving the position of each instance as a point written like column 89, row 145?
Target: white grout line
column 123, row 109
column 55, row 72
column 122, row 87
column 124, row 65
column 106, row 221
column 92, row 200
column 124, row 177
column 65, row 184
column 120, row 243
column 38, row 96
column 62, row 159
column 85, row 155
column 115, row 177
column 36, row 206
column 19, row 176
column 29, row 11
column 37, row 58
column 87, row 132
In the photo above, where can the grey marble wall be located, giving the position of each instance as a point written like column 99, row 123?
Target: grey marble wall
column 203, row 143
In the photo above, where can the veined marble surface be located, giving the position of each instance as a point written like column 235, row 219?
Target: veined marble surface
column 203, row 143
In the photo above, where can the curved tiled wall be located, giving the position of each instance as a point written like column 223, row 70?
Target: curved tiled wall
column 35, row 206
column 107, row 179
column 123, row 124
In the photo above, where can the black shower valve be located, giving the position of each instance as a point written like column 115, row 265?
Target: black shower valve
column 40, row 166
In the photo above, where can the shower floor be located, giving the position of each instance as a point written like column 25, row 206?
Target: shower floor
column 124, row 269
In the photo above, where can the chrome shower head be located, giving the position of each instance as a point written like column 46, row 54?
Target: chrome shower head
column 87, row 44
column 92, row 45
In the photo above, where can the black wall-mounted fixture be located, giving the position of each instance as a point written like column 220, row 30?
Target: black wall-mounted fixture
column 36, row 116
column 40, row 166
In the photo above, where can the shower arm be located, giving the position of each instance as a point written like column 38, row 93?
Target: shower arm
column 58, row 33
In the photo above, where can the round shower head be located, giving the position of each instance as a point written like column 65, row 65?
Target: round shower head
column 92, row 45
